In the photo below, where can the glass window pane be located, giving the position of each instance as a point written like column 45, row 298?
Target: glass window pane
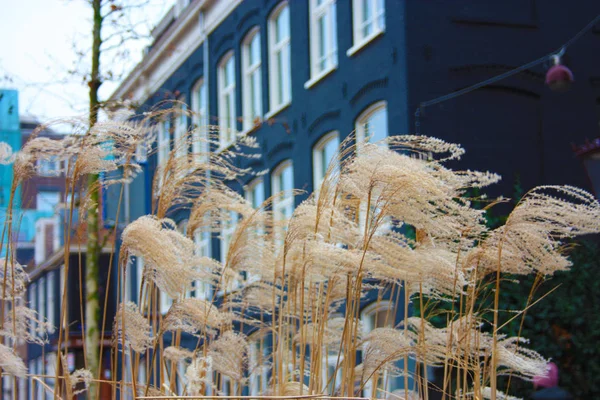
column 280, row 77
column 283, row 27
column 322, row 52
column 375, row 127
column 255, row 50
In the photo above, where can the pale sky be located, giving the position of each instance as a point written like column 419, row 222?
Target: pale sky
column 37, row 51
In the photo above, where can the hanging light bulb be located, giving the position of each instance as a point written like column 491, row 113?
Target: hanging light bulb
column 559, row 78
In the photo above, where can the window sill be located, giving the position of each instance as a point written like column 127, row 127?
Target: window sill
column 313, row 81
column 251, row 129
column 277, row 110
column 224, row 146
column 359, row 46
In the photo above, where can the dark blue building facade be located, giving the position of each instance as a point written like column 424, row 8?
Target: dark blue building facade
column 350, row 73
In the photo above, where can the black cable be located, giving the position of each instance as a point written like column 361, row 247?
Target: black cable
column 559, row 52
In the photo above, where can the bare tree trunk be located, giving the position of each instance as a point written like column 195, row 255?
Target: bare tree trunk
column 92, row 271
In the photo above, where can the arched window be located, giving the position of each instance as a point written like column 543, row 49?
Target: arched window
column 324, row 153
column 163, row 140
column 282, row 181
column 181, row 126
column 280, row 88
column 251, row 78
column 379, row 315
column 200, row 122
column 203, row 242
column 226, row 94
column 258, row 361
column 372, row 124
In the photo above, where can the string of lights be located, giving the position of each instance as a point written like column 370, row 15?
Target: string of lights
column 553, row 56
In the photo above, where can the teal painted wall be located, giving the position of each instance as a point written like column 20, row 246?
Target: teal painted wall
column 10, row 132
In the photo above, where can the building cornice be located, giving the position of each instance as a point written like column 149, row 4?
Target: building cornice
column 172, row 48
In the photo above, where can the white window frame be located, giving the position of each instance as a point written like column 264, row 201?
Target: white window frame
column 368, row 318
column 282, row 204
column 364, row 117
column 320, row 164
column 163, row 141
column 41, row 299
column 51, row 303
column 203, row 242
column 322, row 64
column 40, row 371
column 139, row 265
column 255, row 196
column 280, row 92
column 226, row 95
column 33, row 304
column 200, row 121
column 47, row 196
column 180, row 131
column 377, row 21
column 61, row 283
column 227, row 231
column 251, row 73
column 251, row 191
column 257, row 353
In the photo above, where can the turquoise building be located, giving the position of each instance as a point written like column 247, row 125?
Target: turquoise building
column 10, row 132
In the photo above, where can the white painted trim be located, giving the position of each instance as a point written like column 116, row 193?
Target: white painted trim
column 313, row 81
column 186, row 35
column 359, row 46
column 276, row 111
column 274, row 48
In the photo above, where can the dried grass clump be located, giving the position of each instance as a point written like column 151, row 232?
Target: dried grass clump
column 13, row 279
column 23, row 323
column 301, row 285
column 169, row 256
column 229, row 355
column 10, row 363
column 131, row 329
column 194, row 316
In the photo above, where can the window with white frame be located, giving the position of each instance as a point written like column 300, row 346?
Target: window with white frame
column 180, row 131
column 33, row 304
column 200, row 136
column 258, row 357
column 164, row 140
column 42, row 298
column 32, row 383
column 227, row 231
column 280, row 91
column 323, row 37
column 255, row 195
column 251, row 78
column 50, row 371
column 226, row 85
column 49, row 167
column 139, row 278
column 228, row 228
column 332, row 369
column 282, row 184
column 203, row 242
column 372, row 124
column 51, row 302
column 368, row 19
column 379, row 315
column 47, row 201
column 40, row 371
column 255, row 192
column 228, row 387
column 325, row 152
column 61, row 283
